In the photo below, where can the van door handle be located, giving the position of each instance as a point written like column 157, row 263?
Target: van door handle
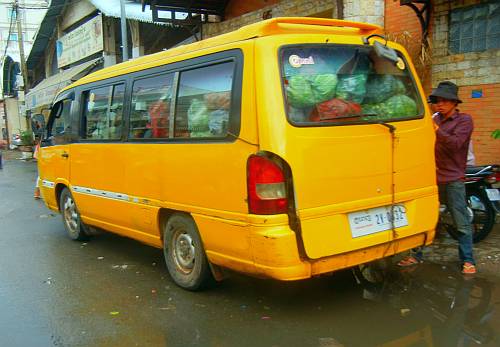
column 65, row 155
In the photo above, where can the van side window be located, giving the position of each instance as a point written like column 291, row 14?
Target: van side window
column 149, row 115
column 61, row 124
column 204, row 101
column 103, row 112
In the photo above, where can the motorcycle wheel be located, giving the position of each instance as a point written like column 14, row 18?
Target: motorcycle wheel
column 483, row 217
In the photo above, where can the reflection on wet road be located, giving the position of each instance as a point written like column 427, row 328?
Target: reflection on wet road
column 113, row 291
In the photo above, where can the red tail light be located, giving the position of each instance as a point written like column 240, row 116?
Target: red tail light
column 266, row 186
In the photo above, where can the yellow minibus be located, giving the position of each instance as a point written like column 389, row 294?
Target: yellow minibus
column 286, row 149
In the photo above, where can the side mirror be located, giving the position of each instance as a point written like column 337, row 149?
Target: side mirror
column 46, row 142
column 38, row 124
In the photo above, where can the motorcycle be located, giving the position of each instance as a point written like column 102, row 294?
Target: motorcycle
column 482, row 202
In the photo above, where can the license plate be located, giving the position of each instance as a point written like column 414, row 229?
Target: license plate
column 377, row 219
column 493, row 194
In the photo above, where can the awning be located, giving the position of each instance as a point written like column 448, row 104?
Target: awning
column 45, row 91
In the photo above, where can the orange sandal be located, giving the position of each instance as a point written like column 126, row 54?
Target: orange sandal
column 409, row 261
column 469, row 269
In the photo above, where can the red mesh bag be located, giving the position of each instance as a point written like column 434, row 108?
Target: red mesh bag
column 334, row 108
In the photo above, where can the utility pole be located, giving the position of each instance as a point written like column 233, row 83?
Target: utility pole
column 24, row 70
column 123, row 22
column 20, row 42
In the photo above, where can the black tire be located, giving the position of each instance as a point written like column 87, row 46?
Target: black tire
column 184, row 254
column 75, row 229
column 482, row 221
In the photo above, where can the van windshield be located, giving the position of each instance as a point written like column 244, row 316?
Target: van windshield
column 342, row 84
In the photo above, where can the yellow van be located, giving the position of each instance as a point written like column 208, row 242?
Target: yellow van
column 286, row 149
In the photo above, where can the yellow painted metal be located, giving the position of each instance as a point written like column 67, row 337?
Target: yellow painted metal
column 342, row 169
column 336, row 170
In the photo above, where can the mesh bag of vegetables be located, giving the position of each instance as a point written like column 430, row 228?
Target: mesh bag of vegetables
column 382, row 87
column 352, row 87
column 309, row 90
column 198, row 119
column 397, row 106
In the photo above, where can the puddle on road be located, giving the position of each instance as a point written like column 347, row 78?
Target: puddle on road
column 431, row 305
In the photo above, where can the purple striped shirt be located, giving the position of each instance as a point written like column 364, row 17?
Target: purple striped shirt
column 452, row 143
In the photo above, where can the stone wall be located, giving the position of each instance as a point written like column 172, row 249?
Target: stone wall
column 463, row 69
column 289, row 8
column 367, row 11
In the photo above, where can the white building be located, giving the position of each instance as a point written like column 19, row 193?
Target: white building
column 29, row 13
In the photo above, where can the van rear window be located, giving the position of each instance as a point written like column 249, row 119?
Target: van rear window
column 332, row 85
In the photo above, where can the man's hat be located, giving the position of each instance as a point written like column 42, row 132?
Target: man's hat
column 445, row 90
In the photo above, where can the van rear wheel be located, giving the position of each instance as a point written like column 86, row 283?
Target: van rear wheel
column 184, row 254
column 71, row 217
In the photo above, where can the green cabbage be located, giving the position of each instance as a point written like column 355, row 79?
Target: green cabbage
column 352, row 88
column 309, row 90
column 382, row 87
column 397, row 106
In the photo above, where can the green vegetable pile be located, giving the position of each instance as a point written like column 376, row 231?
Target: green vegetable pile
column 309, row 90
column 397, row 106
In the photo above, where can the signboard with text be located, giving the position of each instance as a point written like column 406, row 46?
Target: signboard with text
column 85, row 40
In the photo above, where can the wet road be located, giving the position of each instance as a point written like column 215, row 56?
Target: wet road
column 113, row 291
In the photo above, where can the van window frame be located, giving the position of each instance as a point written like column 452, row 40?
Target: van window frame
column 234, row 127
column 356, row 122
column 73, row 135
column 82, row 135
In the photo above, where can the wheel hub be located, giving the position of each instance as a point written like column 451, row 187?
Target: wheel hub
column 70, row 215
column 184, row 251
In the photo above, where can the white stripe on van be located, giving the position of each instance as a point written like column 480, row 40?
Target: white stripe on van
column 48, row 184
column 100, row 193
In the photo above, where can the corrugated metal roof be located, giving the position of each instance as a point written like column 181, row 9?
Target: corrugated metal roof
column 133, row 10
column 45, row 32
column 110, row 8
column 194, row 6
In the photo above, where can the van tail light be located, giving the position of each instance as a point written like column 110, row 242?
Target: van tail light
column 266, row 186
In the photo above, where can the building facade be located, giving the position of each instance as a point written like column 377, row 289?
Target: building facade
column 29, row 14
column 464, row 38
column 81, row 36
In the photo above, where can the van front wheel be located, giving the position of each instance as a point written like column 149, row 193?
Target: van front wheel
column 184, row 254
column 71, row 217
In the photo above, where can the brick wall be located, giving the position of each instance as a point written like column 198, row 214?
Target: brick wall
column 402, row 25
column 486, row 114
column 470, row 71
column 289, row 8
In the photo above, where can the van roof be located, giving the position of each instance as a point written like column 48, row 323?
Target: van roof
column 274, row 26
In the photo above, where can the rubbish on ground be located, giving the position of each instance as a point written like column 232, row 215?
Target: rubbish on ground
column 265, row 318
column 405, row 312
column 100, row 258
column 329, row 342
column 114, row 313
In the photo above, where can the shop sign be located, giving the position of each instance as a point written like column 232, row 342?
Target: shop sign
column 82, row 42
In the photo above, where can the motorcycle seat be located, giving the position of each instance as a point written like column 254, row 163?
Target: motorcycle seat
column 478, row 170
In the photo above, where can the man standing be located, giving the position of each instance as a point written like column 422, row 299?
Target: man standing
column 453, row 133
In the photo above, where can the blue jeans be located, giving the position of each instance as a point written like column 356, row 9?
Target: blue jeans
column 452, row 194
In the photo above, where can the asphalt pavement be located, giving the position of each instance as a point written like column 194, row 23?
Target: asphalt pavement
column 113, row 291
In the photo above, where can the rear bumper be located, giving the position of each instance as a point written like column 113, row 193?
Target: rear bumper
column 275, row 255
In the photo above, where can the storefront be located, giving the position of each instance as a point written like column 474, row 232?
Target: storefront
column 38, row 100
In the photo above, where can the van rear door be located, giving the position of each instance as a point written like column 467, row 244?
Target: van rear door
column 358, row 146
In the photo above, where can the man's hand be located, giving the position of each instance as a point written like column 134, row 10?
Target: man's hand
column 435, row 118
